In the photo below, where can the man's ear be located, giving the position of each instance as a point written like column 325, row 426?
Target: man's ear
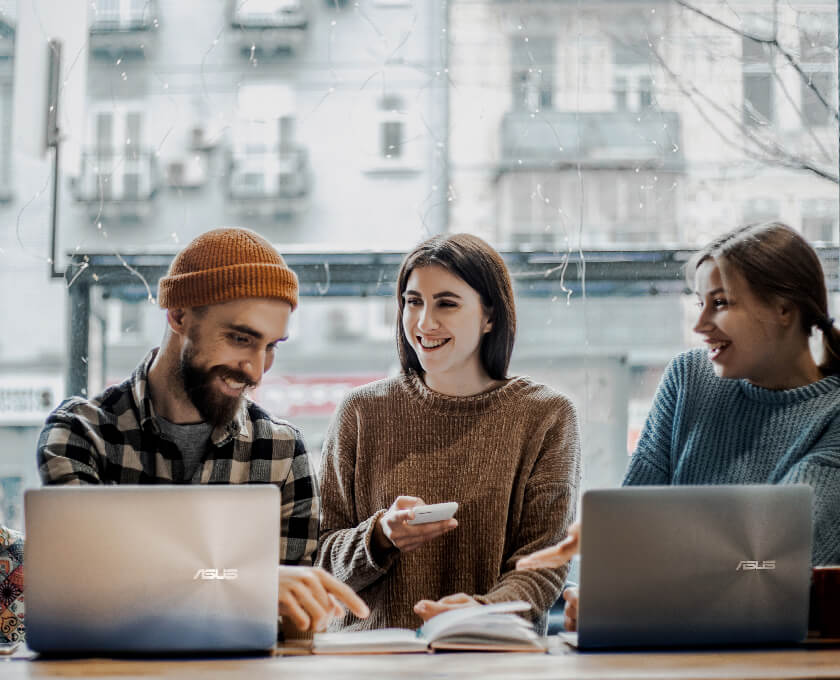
column 176, row 318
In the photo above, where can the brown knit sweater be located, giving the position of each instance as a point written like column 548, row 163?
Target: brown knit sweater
column 510, row 457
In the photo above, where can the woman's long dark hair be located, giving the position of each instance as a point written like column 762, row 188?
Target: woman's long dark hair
column 482, row 269
column 777, row 262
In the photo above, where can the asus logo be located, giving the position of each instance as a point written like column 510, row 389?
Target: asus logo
column 216, row 575
column 753, row 565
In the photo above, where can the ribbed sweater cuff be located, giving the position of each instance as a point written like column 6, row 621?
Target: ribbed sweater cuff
column 381, row 569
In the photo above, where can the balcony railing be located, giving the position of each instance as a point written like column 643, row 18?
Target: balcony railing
column 122, row 183
column 270, row 181
column 269, row 24
column 124, row 30
column 599, row 139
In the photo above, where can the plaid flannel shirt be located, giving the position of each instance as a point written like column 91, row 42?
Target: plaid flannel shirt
column 114, row 438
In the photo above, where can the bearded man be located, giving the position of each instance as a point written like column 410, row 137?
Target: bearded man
column 183, row 416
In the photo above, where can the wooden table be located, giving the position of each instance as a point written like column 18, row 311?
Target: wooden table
column 561, row 663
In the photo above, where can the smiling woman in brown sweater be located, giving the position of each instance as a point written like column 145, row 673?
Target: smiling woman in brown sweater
column 452, row 427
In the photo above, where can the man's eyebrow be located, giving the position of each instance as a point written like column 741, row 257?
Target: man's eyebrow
column 247, row 330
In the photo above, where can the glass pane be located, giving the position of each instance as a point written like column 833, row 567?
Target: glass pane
column 595, row 144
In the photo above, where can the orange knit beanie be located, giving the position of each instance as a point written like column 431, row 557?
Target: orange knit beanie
column 227, row 264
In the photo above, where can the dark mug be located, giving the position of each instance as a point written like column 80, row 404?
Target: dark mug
column 824, row 615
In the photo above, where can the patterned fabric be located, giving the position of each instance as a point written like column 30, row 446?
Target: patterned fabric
column 114, row 438
column 11, row 585
column 707, row 430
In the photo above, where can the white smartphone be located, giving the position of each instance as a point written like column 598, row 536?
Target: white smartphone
column 423, row 514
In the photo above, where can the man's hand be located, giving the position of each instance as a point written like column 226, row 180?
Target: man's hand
column 392, row 530
column 556, row 555
column 310, row 597
column 426, row 609
column 570, row 613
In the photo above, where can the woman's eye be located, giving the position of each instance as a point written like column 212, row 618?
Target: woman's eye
column 720, row 303
column 414, row 302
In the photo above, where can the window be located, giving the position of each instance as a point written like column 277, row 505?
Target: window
column 532, row 60
column 645, row 93
column 596, row 144
column 620, row 90
column 758, row 83
column 632, row 67
column 116, row 164
column 818, row 52
column 113, row 15
column 392, row 137
column 819, row 220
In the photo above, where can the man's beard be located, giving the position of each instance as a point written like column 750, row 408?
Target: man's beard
column 215, row 408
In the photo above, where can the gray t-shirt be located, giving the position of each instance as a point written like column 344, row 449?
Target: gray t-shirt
column 191, row 441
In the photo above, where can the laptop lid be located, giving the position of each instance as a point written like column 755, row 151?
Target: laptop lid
column 152, row 568
column 695, row 565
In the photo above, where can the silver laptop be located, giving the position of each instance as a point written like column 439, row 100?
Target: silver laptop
column 164, row 569
column 695, row 565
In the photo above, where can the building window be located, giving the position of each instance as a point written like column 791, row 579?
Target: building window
column 819, row 220
column 104, row 134
column 818, row 54
column 631, row 58
column 532, row 61
column 391, row 146
column 645, row 93
column 758, row 77
column 121, row 14
column 620, row 93
column 391, row 134
column 115, row 164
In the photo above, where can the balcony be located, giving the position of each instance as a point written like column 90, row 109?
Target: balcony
column 269, row 25
column 269, row 183
column 128, row 26
column 119, row 185
column 551, row 140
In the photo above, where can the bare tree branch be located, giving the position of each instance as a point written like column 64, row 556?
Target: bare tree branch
column 771, row 152
column 772, row 42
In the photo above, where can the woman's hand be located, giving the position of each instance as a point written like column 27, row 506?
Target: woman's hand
column 556, row 555
column 426, row 609
column 392, row 528
column 570, row 611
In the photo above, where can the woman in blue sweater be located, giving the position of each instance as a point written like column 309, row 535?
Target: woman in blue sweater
column 753, row 407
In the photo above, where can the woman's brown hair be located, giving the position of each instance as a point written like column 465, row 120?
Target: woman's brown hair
column 777, row 262
column 482, row 269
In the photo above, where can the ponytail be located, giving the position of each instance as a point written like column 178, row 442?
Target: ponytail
column 831, row 347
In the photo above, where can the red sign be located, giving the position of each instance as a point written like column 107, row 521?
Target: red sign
column 307, row 395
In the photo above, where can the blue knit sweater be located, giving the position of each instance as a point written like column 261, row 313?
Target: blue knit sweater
column 707, row 430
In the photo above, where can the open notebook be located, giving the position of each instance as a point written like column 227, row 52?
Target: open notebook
column 492, row 627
